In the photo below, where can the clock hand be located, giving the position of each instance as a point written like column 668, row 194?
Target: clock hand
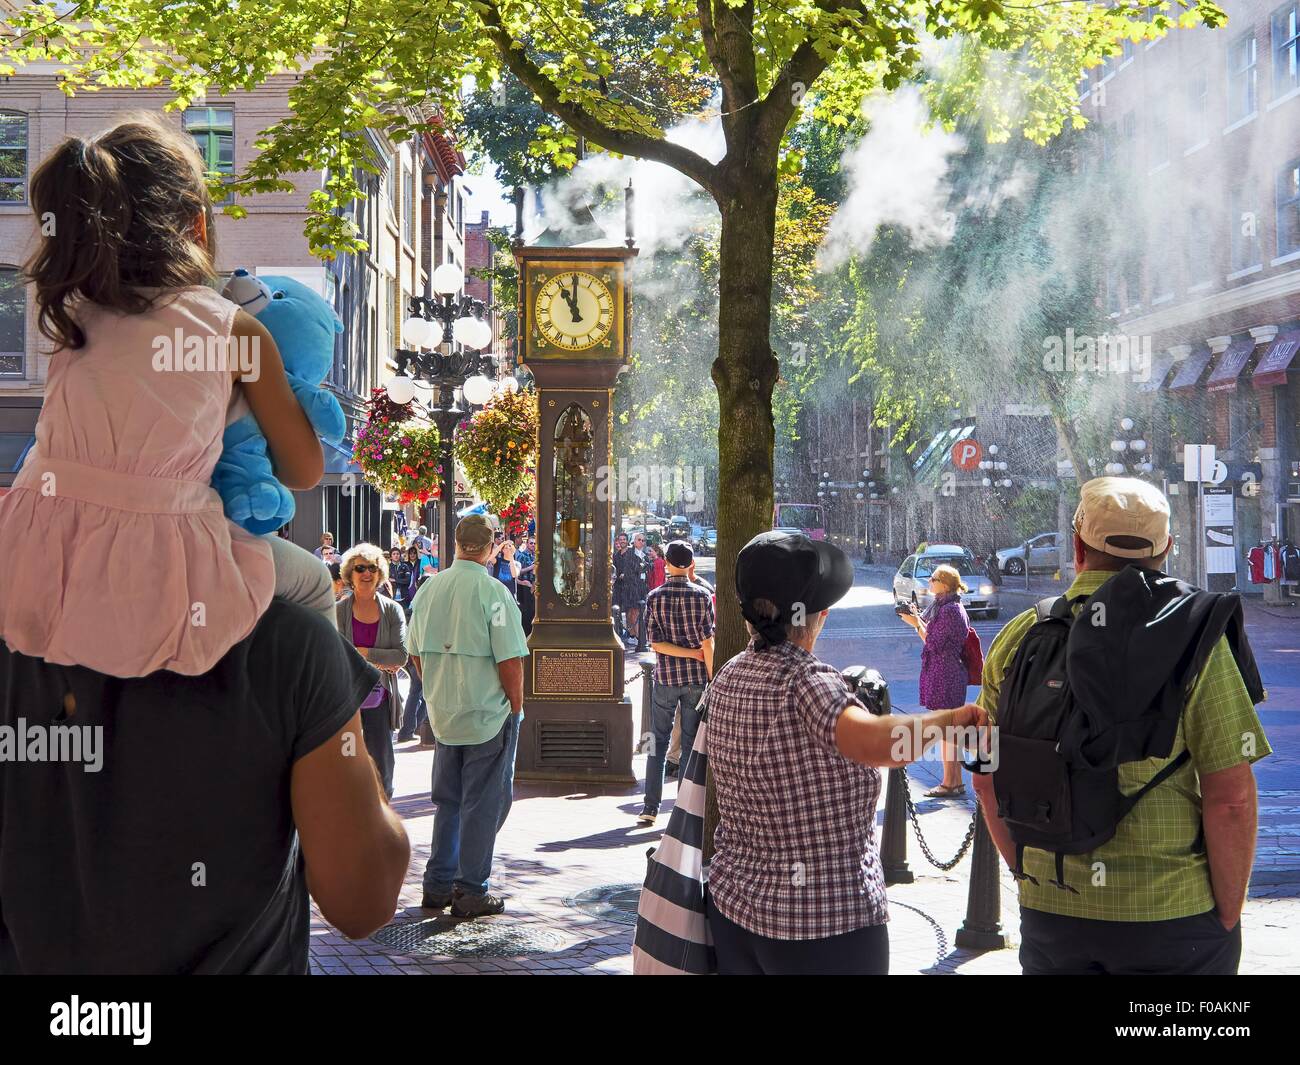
column 573, row 301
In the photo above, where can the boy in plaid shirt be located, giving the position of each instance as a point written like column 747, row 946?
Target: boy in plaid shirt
column 679, row 626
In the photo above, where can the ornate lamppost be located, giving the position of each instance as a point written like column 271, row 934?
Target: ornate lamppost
column 453, row 321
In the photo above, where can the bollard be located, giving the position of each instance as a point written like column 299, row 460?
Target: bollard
column 893, row 837
column 982, row 928
column 647, row 687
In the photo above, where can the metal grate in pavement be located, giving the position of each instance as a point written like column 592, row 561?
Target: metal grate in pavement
column 484, row 938
column 612, row 902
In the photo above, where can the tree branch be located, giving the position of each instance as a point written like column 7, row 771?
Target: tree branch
column 730, row 95
column 794, row 80
column 578, row 118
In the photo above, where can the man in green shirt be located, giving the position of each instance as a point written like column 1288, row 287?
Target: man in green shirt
column 1165, row 894
column 468, row 644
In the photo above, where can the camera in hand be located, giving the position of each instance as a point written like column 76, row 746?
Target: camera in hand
column 869, row 686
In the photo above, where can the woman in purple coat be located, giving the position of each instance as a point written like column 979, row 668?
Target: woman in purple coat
column 943, row 627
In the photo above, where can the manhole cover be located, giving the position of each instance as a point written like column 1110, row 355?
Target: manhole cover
column 613, row 902
column 475, row 939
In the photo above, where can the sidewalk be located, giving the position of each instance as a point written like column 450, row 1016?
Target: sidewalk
column 571, row 859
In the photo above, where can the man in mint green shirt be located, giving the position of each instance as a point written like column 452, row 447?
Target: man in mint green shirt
column 467, row 638
column 1165, row 894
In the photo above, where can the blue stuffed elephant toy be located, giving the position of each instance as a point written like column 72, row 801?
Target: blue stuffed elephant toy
column 303, row 325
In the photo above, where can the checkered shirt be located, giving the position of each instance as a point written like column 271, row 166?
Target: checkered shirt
column 680, row 613
column 796, row 851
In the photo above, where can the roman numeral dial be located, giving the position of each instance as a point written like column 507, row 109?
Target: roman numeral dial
column 574, row 310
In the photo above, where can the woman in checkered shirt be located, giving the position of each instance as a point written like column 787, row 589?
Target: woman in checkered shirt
column 796, row 885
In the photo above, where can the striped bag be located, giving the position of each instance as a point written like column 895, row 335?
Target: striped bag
column 672, row 934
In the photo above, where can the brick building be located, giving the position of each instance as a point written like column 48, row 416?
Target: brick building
column 1204, row 127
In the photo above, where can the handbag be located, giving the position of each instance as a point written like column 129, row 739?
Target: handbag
column 972, row 654
column 672, row 933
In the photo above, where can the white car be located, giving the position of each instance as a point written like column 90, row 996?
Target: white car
column 1043, row 555
column 912, row 581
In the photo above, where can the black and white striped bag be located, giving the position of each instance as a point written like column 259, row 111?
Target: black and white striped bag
column 672, row 933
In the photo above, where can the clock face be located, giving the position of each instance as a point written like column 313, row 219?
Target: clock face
column 574, row 310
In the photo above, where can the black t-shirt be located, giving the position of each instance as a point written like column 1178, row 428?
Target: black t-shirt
column 179, row 855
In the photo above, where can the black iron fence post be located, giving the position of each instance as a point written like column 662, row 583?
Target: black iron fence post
column 982, row 928
column 893, row 837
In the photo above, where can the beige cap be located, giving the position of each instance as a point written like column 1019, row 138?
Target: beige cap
column 1123, row 506
column 474, row 533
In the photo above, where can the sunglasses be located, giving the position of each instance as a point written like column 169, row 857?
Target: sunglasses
column 362, row 567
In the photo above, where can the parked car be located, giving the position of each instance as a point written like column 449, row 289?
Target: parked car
column 912, row 581
column 1043, row 554
column 678, row 528
column 706, row 541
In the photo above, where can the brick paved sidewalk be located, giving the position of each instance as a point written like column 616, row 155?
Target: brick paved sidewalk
column 562, row 840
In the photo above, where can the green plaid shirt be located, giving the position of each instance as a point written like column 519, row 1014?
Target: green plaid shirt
column 1148, row 871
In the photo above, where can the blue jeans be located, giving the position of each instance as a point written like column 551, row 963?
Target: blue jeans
column 416, row 709
column 664, row 699
column 473, row 786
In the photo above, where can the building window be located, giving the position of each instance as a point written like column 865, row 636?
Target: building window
column 1162, row 259
column 213, row 130
column 13, row 157
column 13, row 323
column 1158, row 136
column 408, row 204
column 1286, row 49
column 1198, row 247
column 1241, row 77
column 390, row 183
column 1288, row 208
column 1243, row 222
column 1198, row 110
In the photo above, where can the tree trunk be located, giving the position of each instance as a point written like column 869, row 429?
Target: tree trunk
column 745, row 374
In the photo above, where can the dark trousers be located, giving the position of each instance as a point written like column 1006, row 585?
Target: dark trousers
column 1071, row 946
column 379, row 742
column 864, row 952
column 527, row 608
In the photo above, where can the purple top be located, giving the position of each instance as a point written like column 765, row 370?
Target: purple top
column 943, row 673
column 364, row 634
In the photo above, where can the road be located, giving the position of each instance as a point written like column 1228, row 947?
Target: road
column 863, row 629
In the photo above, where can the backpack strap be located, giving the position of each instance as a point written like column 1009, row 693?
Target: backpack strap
column 1046, row 608
column 1060, row 875
column 1130, row 801
column 1019, row 871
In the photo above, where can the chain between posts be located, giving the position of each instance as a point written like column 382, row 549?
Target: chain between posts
column 925, row 847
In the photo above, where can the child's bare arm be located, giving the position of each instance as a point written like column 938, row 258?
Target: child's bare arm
column 295, row 449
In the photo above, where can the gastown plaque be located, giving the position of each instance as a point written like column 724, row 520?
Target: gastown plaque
column 572, row 673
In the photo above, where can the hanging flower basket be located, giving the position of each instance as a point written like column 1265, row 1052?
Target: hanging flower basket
column 398, row 455
column 497, row 448
column 515, row 517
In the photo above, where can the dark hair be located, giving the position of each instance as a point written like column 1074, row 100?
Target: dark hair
column 124, row 204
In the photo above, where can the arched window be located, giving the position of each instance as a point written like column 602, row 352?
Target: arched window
column 13, row 157
column 13, row 322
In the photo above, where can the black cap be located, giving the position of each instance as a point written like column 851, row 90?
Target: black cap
column 679, row 553
column 788, row 568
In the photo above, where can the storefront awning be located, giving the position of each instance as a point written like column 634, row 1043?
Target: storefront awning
column 1190, row 369
column 339, row 465
column 1275, row 362
column 927, row 468
column 1161, row 364
column 1224, row 376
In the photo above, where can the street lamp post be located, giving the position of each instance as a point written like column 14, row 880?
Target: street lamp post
column 455, row 322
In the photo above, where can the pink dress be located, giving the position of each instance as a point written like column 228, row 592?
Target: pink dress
column 119, row 557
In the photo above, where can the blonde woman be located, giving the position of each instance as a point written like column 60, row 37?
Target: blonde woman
column 942, row 628
column 376, row 626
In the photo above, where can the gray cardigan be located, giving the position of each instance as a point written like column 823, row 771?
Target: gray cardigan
column 389, row 649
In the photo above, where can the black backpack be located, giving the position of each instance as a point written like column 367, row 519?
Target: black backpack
column 1050, row 795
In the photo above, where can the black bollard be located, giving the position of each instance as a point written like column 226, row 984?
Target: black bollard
column 893, row 837
column 647, row 687
column 982, row 928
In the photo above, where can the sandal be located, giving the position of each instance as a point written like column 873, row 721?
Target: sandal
column 942, row 791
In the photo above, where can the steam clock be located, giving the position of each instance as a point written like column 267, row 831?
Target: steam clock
column 574, row 336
